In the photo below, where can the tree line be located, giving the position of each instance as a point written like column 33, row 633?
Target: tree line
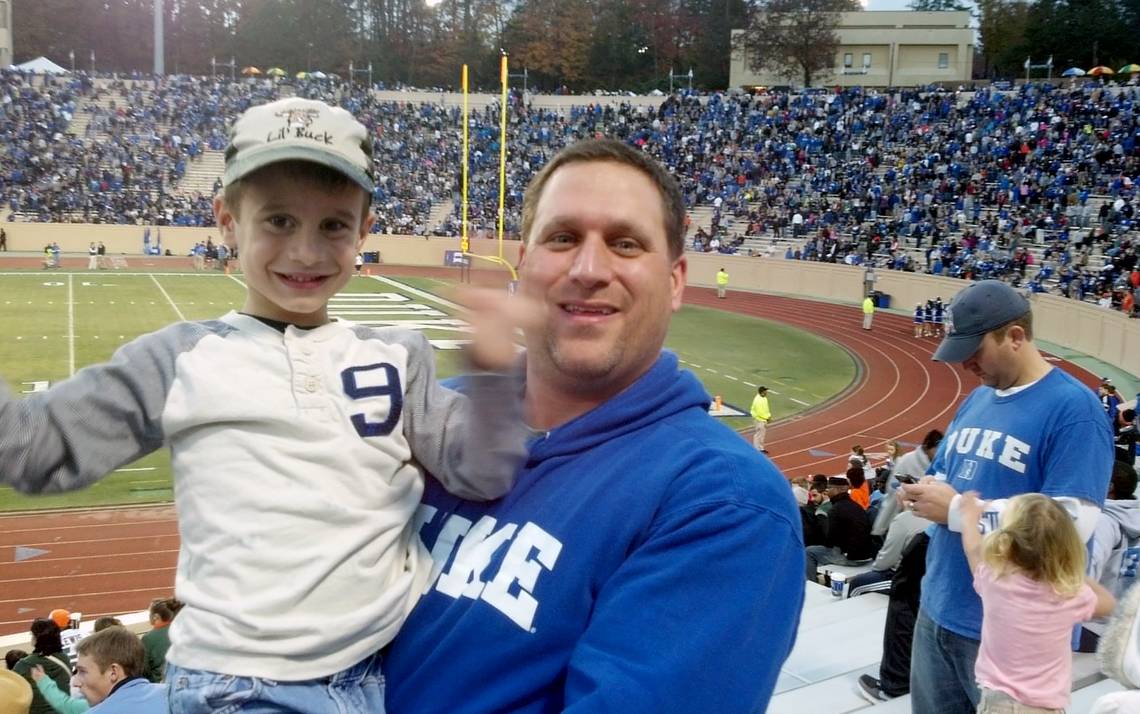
column 581, row 45
column 1080, row 33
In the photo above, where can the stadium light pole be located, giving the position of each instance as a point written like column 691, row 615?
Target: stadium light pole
column 159, row 66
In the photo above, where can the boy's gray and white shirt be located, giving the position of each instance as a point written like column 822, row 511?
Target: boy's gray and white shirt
column 295, row 475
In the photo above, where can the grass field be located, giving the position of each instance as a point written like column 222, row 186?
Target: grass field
column 54, row 324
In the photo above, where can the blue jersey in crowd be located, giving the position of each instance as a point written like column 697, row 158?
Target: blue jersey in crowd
column 1050, row 437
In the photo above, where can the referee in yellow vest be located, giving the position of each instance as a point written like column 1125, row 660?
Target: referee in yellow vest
column 762, row 414
column 868, row 312
column 721, row 283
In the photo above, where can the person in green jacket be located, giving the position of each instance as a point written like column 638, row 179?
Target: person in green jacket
column 157, row 641
column 721, row 283
column 868, row 311
column 47, row 653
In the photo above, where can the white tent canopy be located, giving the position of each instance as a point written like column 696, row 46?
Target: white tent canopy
column 40, row 65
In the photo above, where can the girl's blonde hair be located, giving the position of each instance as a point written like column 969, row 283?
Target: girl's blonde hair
column 1037, row 537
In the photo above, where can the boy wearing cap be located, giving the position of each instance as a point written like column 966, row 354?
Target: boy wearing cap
column 1029, row 428
column 297, row 562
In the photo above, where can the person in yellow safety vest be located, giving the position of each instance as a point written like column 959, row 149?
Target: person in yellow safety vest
column 721, row 283
column 868, row 312
column 762, row 414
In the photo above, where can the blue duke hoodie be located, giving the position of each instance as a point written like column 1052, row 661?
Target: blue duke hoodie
column 648, row 559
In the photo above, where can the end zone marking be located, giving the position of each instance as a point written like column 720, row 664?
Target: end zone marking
column 25, row 553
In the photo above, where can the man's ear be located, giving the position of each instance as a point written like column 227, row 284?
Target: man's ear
column 1016, row 336
column 678, row 276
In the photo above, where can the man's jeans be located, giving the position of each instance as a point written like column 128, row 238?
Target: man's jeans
column 360, row 688
column 942, row 670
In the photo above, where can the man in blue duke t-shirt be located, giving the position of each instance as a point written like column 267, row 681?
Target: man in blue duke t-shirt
column 647, row 559
column 1030, row 428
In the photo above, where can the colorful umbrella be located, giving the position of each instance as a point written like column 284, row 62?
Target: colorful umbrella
column 276, row 72
column 250, row 71
column 318, row 75
column 1073, row 72
column 1129, row 69
column 302, row 75
column 1099, row 70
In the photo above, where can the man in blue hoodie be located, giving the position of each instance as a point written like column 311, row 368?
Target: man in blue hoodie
column 648, row 559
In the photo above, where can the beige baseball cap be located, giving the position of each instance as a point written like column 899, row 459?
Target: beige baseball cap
column 296, row 129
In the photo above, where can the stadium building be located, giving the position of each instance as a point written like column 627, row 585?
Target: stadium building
column 5, row 33
column 882, row 49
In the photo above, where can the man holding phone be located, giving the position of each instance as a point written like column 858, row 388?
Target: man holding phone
column 1029, row 428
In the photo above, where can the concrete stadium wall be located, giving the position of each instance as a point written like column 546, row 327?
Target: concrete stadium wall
column 1080, row 326
column 128, row 241
column 1083, row 327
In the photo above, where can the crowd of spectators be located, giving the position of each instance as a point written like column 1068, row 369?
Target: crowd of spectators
column 56, row 678
column 971, row 185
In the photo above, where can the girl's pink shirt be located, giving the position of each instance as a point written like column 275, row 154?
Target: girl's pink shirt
column 1027, row 632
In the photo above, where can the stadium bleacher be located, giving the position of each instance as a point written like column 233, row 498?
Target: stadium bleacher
column 987, row 176
column 840, row 639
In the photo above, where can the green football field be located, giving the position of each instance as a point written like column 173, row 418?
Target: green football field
column 54, row 324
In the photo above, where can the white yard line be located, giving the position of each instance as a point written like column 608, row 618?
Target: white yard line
column 234, row 278
column 70, row 326
column 418, row 293
column 168, row 298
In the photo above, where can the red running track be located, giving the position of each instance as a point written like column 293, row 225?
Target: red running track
column 109, row 561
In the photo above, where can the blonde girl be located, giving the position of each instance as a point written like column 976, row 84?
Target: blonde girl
column 894, row 451
column 1030, row 574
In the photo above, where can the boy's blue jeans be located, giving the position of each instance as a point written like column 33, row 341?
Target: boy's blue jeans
column 356, row 690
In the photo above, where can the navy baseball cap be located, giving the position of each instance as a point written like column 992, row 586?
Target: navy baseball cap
column 979, row 308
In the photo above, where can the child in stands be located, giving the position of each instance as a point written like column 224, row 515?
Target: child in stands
column 298, row 441
column 1030, row 574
